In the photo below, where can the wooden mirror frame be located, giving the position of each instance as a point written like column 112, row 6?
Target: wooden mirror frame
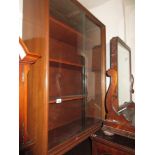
column 115, row 121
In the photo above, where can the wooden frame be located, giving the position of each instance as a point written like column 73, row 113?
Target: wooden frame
column 115, row 121
column 30, row 58
column 114, row 43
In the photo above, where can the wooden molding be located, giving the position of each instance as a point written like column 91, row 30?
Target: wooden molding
column 24, row 67
column 30, row 57
column 111, row 99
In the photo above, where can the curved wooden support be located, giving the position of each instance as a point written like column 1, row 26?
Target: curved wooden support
column 112, row 105
column 114, row 121
column 111, row 91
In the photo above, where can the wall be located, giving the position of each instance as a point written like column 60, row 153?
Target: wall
column 118, row 16
column 20, row 17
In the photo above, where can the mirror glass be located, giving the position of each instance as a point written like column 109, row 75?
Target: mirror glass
column 124, row 83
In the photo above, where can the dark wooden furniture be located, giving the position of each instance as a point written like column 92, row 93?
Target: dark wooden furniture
column 112, row 145
column 117, row 120
column 66, row 87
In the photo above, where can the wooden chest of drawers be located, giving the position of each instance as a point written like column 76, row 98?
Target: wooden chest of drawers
column 112, row 145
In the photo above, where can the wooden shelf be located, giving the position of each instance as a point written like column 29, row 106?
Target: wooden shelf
column 65, row 33
column 61, row 31
column 64, row 26
column 67, row 98
column 65, row 62
column 71, row 134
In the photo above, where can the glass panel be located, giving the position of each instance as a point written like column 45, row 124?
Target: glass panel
column 92, row 55
column 74, row 72
column 124, row 94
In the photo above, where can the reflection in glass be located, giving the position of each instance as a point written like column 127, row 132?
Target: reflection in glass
column 124, row 94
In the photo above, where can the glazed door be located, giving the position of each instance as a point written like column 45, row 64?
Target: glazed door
column 75, row 72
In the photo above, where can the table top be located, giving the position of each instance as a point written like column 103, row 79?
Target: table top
column 117, row 139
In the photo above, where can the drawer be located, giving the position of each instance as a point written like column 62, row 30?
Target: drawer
column 106, row 149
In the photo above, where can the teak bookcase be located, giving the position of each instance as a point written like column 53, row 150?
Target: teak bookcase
column 66, row 86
